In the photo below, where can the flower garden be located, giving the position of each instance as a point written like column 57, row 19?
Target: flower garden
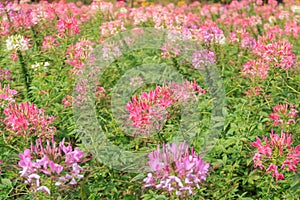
column 157, row 101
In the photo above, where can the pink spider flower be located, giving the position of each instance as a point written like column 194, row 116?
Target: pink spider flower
column 66, row 102
column 68, row 26
column 283, row 114
column 170, row 50
column 176, row 169
column 51, row 161
column 203, row 58
column 254, row 91
column 279, row 54
column 7, row 94
column 5, row 74
column 256, row 69
column 26, row 119
column 79, row 53
column 149, row 109
column 276, row 155
column 291, row 28
column 49, row 42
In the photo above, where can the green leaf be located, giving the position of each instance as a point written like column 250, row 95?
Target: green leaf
column 6, row 182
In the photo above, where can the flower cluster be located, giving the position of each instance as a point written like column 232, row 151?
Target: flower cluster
column 276, row 155
column 254, row 91
column 256, row 69
column 110, row 28
column 17, row 42
column 68, row 26
column 6, row 94
column 111, row 51
column 170, row 50
column 77, row 54
column 49, row 42
column 279, row 53
column 148, row 109
column 276, row 54
column 203, row 58
column 176, row 169
column 210, row 32
column 283, row 114
column 40, row 66
column 57, row 162
column 25, row 119
column 4, row 74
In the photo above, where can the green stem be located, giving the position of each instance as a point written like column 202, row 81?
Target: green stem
column 269, row 187
column 25, row 73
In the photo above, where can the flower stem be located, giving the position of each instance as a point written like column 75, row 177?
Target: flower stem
column 25, row 73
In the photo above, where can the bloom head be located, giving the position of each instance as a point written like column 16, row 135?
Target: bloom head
column 277, row 155
column 176, row 169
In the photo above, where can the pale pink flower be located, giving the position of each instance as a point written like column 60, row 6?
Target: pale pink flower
column 256, row 68
column 51, row 161
column 79, row 53
column 175, row 169
column 7, row 94
column 49, row 42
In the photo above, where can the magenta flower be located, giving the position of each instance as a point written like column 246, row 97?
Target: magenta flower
column 25, row 119
column 79, row 53
column 283, row 114
column 51, row 161
column 279, row 54
column 68, row 26
column 277, row 154
column 175, row 169
column 273, row 168
column 149, row 109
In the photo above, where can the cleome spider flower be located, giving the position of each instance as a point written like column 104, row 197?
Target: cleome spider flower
column 283, row 114
column 277, row 155
column 6, row 94
column 58, row 164
column 175, row 169
column 148, row 109
column 26, row 119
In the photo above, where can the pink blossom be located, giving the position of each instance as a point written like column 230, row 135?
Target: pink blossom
column 275, row 173
column 5, row 74
column 66, row 102
column 68, row 26
column 43, row 188
column 263, row 149
column 79, row 53
column 203, row 58
column 148, row 109
column 283, row 157
column 7, row 94
column 176, row 169
column 283, row 114
column 57, row 162
column 49, row 42
column 256, row 68
column 25, row 119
